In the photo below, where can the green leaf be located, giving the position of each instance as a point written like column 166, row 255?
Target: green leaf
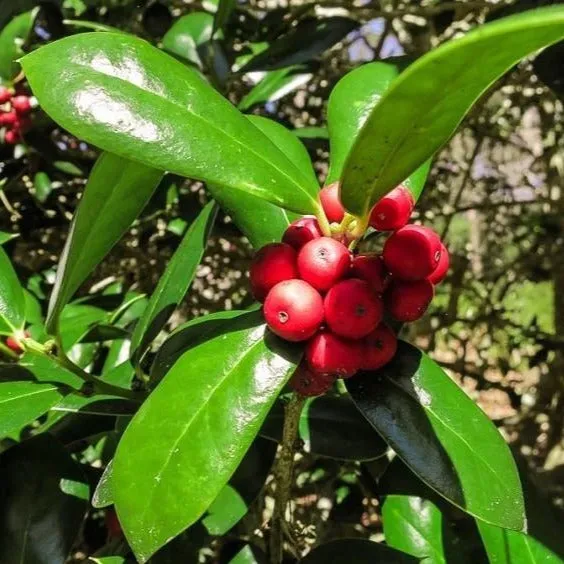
column 68, row 168
column 76, row 321
column 115, row 194
column 187, row 34
column 266, row 222
column 121, row 94
column 442, row 435
column 5, row 237
column 42, row 185
column 302, row 43
column 427, row 102
column 414, row 525
column 44, row 369
column 223, row 13
column 108, row 560
column 359, row 551
column 21, row 403
column 12, row 299
column 510, row 547
column 41, row 503
column 12, row 38
column 103, row 494
column 312, row 133
column 274, row 86
column 330, row 426
column 175, row 281
column 350, row 104
column 187, row 439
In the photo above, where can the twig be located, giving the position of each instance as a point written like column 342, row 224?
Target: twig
column 283, row 474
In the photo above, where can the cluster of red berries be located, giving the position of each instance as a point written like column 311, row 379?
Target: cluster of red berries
column 315, row 289
column 14, row 115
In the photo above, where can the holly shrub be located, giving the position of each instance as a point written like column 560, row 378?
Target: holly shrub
column 316, row 365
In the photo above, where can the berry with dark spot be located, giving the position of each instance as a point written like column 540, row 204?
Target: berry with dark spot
column 412, row 253
column 308, row 383
column 352, row 310
column 323, row 262
column 439, row 274
column 379, row 348
column 327, row 353
column 393, row 210
column 294, row 310
column 371, row 269
column 407, row 300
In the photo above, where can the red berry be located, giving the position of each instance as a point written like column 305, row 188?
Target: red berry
column 293, row 310
column 327, row 353
column 371, row 269
column 393, row 210
column 14, row 345
column 5, row 95
column 379, row 348
column 23, row 123
column 329, row 196
column 273, row 263
column 352, row 310
column 8, row 118
column 302, row 231
column 21, row 104
column 12, row 136
column 308, row 383
column 322, row 262
column 412, row 253
column 439, row 274
column 408, row 300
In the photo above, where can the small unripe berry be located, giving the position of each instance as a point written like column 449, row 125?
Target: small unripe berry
column 412, row 253
column 21, row 104
column 12, row 136
column 439, row 274
column 273, row 263
column 323, row 262
column 8, row 118
column 293, row 310
column 331, row 203
column 393, row 210
column 352, row 309
column 379, row 348
column 5, row 95
column 14, row 345
column 371, row 269
column 327, row 353
column 302, row 231
column 308, row 383
column 408, row 300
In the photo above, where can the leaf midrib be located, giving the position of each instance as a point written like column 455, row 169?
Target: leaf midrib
column 209, row 124
column 23, row 396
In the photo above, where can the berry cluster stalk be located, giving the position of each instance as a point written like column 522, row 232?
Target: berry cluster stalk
column 283, row 475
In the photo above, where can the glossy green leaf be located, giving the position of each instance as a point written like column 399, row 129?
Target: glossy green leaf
column 42, row 503
column 442, row 435
column 103, row 494
column 266, row 222
column 42, row 186
column 414, row 525
column 306, row 40
column 21, row 403
column 245, row 556
column 510, row 547
column 5, row 237
column 175, row 281
column 188, row 438
column 115, row 194
column 312, row 133
column 44, row 369
column 350, row 104
column 425, row 105
column 76, row 321
column 274, row 86
column 118, row 92
column 109, row 560
column 359, row 551
column 330, row 426
column 12, row 299
column 11, row 39
column 187, row 34
column 33, row 311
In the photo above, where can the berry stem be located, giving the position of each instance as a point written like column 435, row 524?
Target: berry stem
column 283, row 475
column 323, row 222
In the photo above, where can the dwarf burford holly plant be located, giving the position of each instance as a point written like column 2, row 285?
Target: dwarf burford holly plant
column 326, row 325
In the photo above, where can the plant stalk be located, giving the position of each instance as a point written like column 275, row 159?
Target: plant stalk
column 283, row 475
